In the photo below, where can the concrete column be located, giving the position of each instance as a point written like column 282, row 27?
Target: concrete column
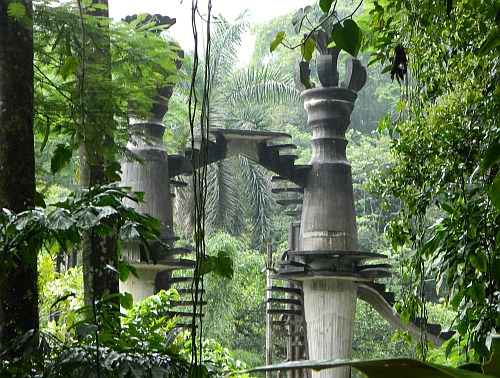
column 328, row 217
column 330, row 306
column 153, row 179
column 328, row 224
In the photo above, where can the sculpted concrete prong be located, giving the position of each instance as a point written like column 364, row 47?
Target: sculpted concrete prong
column 355, row 75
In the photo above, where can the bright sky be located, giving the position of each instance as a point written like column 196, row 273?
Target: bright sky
column 259, row 11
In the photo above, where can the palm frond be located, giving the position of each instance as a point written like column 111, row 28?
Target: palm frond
column 223, row 50
column 224, row 202
column 268, row 84
column 247, row 117
column 260, row 202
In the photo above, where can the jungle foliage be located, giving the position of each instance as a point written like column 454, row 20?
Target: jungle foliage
column 445, row 155
column 440, row 192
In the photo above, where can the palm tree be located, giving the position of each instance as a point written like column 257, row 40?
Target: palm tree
column 239, row 197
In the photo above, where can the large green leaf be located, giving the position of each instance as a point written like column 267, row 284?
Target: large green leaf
column 491, row 155
column 60, row 158
column 387, row 368
column 325, row 5
column 126, row 301
column 224, row 265
column 307, row 49
column 277, row 41
column 348, row 36
column 16, row 10
column 479, row 261
column 491, row 42
column 69, row 67
column 492, row 367
column 477, row 293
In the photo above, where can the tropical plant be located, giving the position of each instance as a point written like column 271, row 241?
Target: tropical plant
column 238, row 99
column 445, row 161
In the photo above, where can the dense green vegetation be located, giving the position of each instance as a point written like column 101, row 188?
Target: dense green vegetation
column 426, row 185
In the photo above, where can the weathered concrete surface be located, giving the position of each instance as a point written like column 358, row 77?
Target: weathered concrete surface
column 328, row 218
column 153, row 179
column 330, row 306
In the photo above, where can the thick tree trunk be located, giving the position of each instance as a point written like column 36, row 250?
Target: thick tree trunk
column 18, row 277
column 96, row 153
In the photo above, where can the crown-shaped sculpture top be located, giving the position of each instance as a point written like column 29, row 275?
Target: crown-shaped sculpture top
column 355, row 75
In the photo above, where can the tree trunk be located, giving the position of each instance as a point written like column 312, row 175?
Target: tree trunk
column 18, row 276
column 96, row 153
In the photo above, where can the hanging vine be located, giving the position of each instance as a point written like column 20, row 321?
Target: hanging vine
column 199, row 119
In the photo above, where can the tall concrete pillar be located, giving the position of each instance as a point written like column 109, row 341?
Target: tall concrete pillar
column 328, row 234
column 152, row 177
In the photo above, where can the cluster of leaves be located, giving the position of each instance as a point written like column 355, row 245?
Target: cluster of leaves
column 71, row 90
column 344, row 32
column 142, row 346
column 445, row 156
column 24, row 233
column 217, row 360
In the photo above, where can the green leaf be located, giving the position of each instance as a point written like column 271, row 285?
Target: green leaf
column 325, row 5
column 491, row 155
column 449, row 347
column 69, row 67
column 126, row 301
column 492, row 367
column 277, row 41
column 494, row 192
column 457, row 299
column 477, row 293
column 86, row 219
column 388, row 368
column 84, row 330
column 128, row 232
column 123, row 268
column 405, row 316
column 60, row 158
column 207, row 265
column 40, row 200
column 447, row 208
column 113, row 171
column 478, row 261
column 491, row 42
column 199, row 371
column 348, row 36
column 16, row 10
column 304, row 74
column 307, row 49
column 60, row 220
column 134, row 271
column 297, row 20
column 224, row 265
